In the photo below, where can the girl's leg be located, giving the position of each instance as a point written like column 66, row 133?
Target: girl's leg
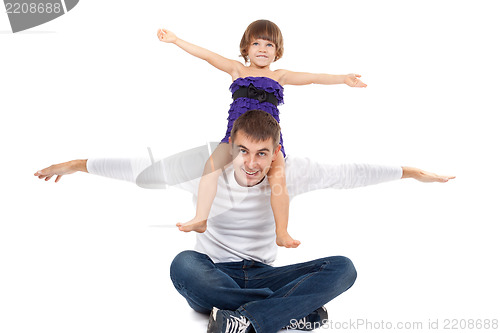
column 208, row 188
column 280, row 202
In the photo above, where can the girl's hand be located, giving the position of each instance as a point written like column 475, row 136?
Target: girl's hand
column 166, row 36
column 352, row 81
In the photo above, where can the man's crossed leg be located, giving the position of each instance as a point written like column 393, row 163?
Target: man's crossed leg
column 259, row 296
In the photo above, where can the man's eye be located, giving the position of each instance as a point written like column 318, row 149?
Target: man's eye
column 262, row 154
column 243, row 151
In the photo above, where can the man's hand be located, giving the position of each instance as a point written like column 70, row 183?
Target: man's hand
column 62, row 169
column 352, row 81
column 424, row 176
column 166, row 36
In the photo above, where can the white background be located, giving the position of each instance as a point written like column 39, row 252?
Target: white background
column 84, row 255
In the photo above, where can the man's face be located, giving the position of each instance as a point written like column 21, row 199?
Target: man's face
column 251, row 159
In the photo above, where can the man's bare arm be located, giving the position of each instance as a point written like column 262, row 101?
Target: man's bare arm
column 424, row 176
column 62, row 169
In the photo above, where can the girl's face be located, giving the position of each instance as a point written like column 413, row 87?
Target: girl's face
column 261, row 52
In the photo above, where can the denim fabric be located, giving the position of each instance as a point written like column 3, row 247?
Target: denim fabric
column 268, row 296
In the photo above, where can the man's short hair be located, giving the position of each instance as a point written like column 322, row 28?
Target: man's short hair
column 258, row 125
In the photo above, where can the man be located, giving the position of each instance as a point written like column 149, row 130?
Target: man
column 229, row 274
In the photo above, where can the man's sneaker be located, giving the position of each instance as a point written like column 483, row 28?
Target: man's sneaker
column 310, row 322
column 225, row 321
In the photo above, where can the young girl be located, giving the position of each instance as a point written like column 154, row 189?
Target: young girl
column 255, row 86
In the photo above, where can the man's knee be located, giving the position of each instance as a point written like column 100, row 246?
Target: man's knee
column 196, row 277
column 186, row 267
column 350, row 270
column 186, row 272
column 343, row 270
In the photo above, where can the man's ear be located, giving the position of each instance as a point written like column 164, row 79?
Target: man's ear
column 276, row 152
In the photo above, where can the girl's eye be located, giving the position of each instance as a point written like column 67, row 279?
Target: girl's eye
column 270, row 45
column 255, row 43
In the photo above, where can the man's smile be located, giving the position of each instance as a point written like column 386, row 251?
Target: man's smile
column 250, row 173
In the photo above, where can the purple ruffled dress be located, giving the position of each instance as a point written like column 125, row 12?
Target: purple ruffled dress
column 244, row 104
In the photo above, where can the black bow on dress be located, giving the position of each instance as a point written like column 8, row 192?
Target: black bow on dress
column 258, row 94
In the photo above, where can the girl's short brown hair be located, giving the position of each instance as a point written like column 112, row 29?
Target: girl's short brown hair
column 262, row 29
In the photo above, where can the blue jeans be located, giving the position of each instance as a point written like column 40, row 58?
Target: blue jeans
column 268, row 296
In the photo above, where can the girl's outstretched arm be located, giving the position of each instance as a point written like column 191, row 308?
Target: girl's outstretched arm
column 302, row 78
column 224, row 64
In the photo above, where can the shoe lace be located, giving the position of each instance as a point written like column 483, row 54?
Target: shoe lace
column 237, row 324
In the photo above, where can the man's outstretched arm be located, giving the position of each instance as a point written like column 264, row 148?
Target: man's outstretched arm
column 182, row 169
column 126, row 169
column 304, row 175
